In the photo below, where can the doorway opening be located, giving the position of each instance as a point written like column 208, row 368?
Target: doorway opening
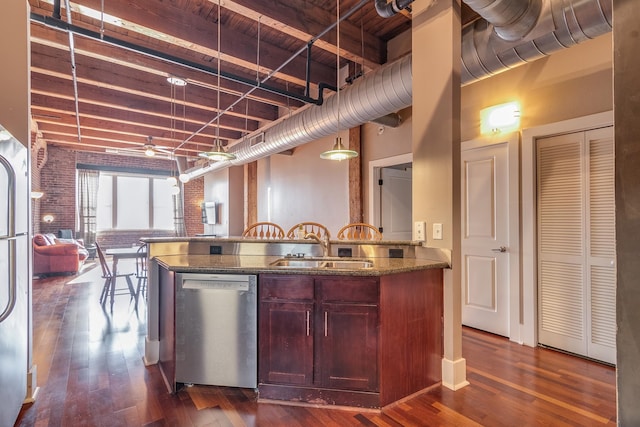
column 390, row 196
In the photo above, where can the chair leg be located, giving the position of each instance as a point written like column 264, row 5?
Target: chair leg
column 113, row 291
column 141, row 288
column 132, row 291
column 105, row 290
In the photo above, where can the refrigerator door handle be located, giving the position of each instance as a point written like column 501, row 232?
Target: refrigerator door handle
column 11, row 198
column 13, row 281
column 11, row 204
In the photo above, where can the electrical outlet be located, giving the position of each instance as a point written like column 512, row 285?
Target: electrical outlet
column 437, row 231
column 419, row 232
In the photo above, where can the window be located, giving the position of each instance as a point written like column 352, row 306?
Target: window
column 134, row 202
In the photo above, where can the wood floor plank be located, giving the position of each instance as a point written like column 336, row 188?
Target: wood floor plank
column 91, row 373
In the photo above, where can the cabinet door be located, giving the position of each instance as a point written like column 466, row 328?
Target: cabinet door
column 285, row 330
column 347, row 334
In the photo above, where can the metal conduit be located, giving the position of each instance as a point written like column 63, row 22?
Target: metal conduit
column 561, row 24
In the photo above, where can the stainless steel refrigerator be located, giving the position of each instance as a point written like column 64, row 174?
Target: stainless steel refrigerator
column 15, row 277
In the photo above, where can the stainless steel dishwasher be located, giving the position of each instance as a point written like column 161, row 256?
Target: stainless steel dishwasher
column 216, row 329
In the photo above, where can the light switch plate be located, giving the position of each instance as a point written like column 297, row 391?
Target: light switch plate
column 437, row 231
column 419, row 231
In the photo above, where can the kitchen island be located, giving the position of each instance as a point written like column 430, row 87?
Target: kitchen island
column 365, row 336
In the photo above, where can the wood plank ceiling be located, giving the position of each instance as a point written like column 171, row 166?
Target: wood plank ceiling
column 124, row 50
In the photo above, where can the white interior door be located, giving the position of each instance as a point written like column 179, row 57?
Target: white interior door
column 485, row 237
column 395, row 203
column 576, row 243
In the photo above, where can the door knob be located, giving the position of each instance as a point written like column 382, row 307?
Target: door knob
column 500, row 249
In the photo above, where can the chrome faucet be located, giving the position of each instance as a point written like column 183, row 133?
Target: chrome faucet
column 324, row 242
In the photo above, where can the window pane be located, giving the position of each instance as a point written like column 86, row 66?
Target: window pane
column 132, row 203
column 105, row 203
column 162, row 205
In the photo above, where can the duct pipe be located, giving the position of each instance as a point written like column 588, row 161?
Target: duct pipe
column 387, row 10
column 562, row 24
column 392, row 120
column 381, row 92
column 511, row 19
column 378, row 94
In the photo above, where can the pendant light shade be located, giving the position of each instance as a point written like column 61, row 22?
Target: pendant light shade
column 338, row 152
column 217, row 154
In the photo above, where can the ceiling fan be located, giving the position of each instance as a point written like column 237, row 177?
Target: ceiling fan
column 149, row 149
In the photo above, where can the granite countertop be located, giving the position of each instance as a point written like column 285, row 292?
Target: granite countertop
column 250, row 240
column 256, row 264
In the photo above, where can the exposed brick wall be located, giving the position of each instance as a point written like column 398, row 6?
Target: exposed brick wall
column 38, row 158
column 58, row 181
column 193, row 197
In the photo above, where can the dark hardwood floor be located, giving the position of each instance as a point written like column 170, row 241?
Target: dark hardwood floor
column 90, row 373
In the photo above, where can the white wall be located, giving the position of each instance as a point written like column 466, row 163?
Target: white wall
column 303, row 187
column 225, row 187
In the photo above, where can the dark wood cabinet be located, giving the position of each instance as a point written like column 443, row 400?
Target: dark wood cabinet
column 349, row 340
column 347, row 349
column 319, row 331
column 285, row 322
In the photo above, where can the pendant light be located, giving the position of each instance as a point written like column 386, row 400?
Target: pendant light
column 218, row 154
column 338, row 152
column 175, row 82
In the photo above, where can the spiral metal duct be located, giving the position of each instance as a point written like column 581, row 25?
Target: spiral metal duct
column 511, row 19
column 561, row 24
column 384, row 91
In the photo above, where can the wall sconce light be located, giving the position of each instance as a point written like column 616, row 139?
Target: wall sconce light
column 500, row 118
column 36, row 194
column 48, row 218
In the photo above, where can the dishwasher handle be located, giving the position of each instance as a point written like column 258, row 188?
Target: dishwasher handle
column 218, row 285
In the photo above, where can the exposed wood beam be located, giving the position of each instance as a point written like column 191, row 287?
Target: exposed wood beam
column 41, row 35
column 110, row 119
column 88, row 94
column 109, row 76
column 303, row 20
column 198, row 37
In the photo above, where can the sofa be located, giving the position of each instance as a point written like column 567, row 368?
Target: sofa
column 52, row 255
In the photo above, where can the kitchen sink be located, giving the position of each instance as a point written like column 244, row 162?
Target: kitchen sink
column 351, row 264
column 298, row 263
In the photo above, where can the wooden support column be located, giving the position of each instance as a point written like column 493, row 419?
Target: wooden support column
column 355, row 176
column 251, row 194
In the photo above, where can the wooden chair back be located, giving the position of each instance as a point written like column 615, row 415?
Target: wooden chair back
column 264, row 230
column 359, row 231
column 141, row 262
column 106, row 271
column 309, row 227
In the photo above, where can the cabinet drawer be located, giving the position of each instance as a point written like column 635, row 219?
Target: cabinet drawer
column 286, row 287
column 348, row 289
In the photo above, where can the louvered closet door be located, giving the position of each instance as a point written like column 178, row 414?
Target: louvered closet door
column 576, row 275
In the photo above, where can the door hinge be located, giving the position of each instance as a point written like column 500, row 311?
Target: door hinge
column 379, row 182
column 380, row 229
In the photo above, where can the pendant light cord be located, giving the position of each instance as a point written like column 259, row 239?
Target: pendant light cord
column 218, row 145
column 338, row 66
